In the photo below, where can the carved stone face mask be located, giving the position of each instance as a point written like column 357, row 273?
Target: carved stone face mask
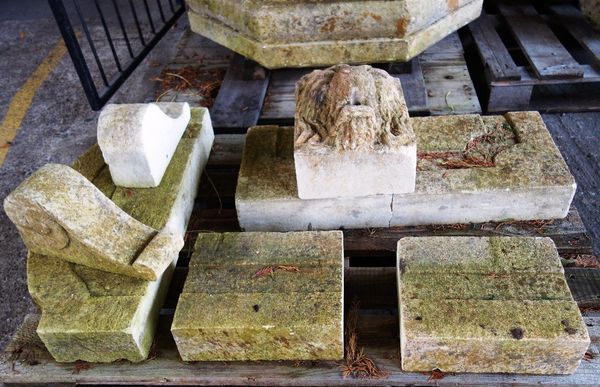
column 351, row 108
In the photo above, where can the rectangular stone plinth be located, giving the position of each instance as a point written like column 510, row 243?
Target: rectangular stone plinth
column 96, row 316
column 497, row 304
column 262, row 296
column 305, row 33
column 512, row 170
column 332, row 174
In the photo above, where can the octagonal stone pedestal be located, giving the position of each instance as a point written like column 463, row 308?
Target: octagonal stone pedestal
column 308, row 33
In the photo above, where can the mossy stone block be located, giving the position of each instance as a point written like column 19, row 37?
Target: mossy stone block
column 97, row 316
column 470, row 169
column 262, row 296
column 497, row 304
column 308, row 33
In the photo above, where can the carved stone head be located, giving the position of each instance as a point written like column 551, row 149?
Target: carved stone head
column 351, row 108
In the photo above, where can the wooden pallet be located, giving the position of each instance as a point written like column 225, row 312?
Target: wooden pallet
column 544, row 57
column 370, row 276
column 436, row 82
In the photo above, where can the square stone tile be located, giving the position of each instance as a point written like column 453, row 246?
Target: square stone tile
column 262, row 296
column 498, row 304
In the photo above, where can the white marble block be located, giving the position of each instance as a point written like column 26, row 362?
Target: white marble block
column 352, row 136
column 138, row 140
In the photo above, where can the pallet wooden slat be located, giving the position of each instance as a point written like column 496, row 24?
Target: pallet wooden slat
column 572, row 18
column 492, row 50
column 530, row 91
column 413, row 84
column 448, row 88
column 240, row 98
column 543, row 50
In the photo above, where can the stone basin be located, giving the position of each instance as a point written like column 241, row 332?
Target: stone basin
column 308, row 33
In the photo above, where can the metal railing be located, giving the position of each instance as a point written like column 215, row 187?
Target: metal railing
column 104, row 63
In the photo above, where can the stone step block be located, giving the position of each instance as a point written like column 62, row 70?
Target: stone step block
column 96, row 316
column 508, row 310
column 469, row 169
column 262, row 296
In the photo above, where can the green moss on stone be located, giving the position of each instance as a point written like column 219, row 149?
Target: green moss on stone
column 99, row 316
column 90, row 163
column 153, row 206
column 491, row 286
column 228, row 312
column 498, row 304
column 495, row 319
column 485, row 255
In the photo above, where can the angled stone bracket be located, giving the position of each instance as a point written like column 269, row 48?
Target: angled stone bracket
column 60, row 213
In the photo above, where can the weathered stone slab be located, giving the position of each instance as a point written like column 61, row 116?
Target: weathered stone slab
column 60, row 213
column 263, row 296
column 96, row 316
column 285, row 33
column 497, row 304
column 138, row 140
column 352, row 136
column 469, row 169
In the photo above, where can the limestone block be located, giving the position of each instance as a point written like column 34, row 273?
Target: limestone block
column 305, row 33
column 266, row 197
column 591, row 10
column 469, row 169
column 60, row 213
column 352, row 136
column 498, row 304
column 96, row 316
column 263, row 296
column 138, row 140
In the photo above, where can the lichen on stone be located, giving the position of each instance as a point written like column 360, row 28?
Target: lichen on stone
column 487, row 304
column 228, row 310
column 351, row 108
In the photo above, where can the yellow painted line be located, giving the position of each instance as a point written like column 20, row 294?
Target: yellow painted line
column 21, row 101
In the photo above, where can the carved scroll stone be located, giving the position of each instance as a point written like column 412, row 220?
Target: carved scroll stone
column 138, row 140
column 60, row 213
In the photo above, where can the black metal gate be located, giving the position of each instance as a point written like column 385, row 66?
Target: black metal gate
column 118, row 35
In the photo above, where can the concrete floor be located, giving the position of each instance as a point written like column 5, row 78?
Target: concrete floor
column 59, row 126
